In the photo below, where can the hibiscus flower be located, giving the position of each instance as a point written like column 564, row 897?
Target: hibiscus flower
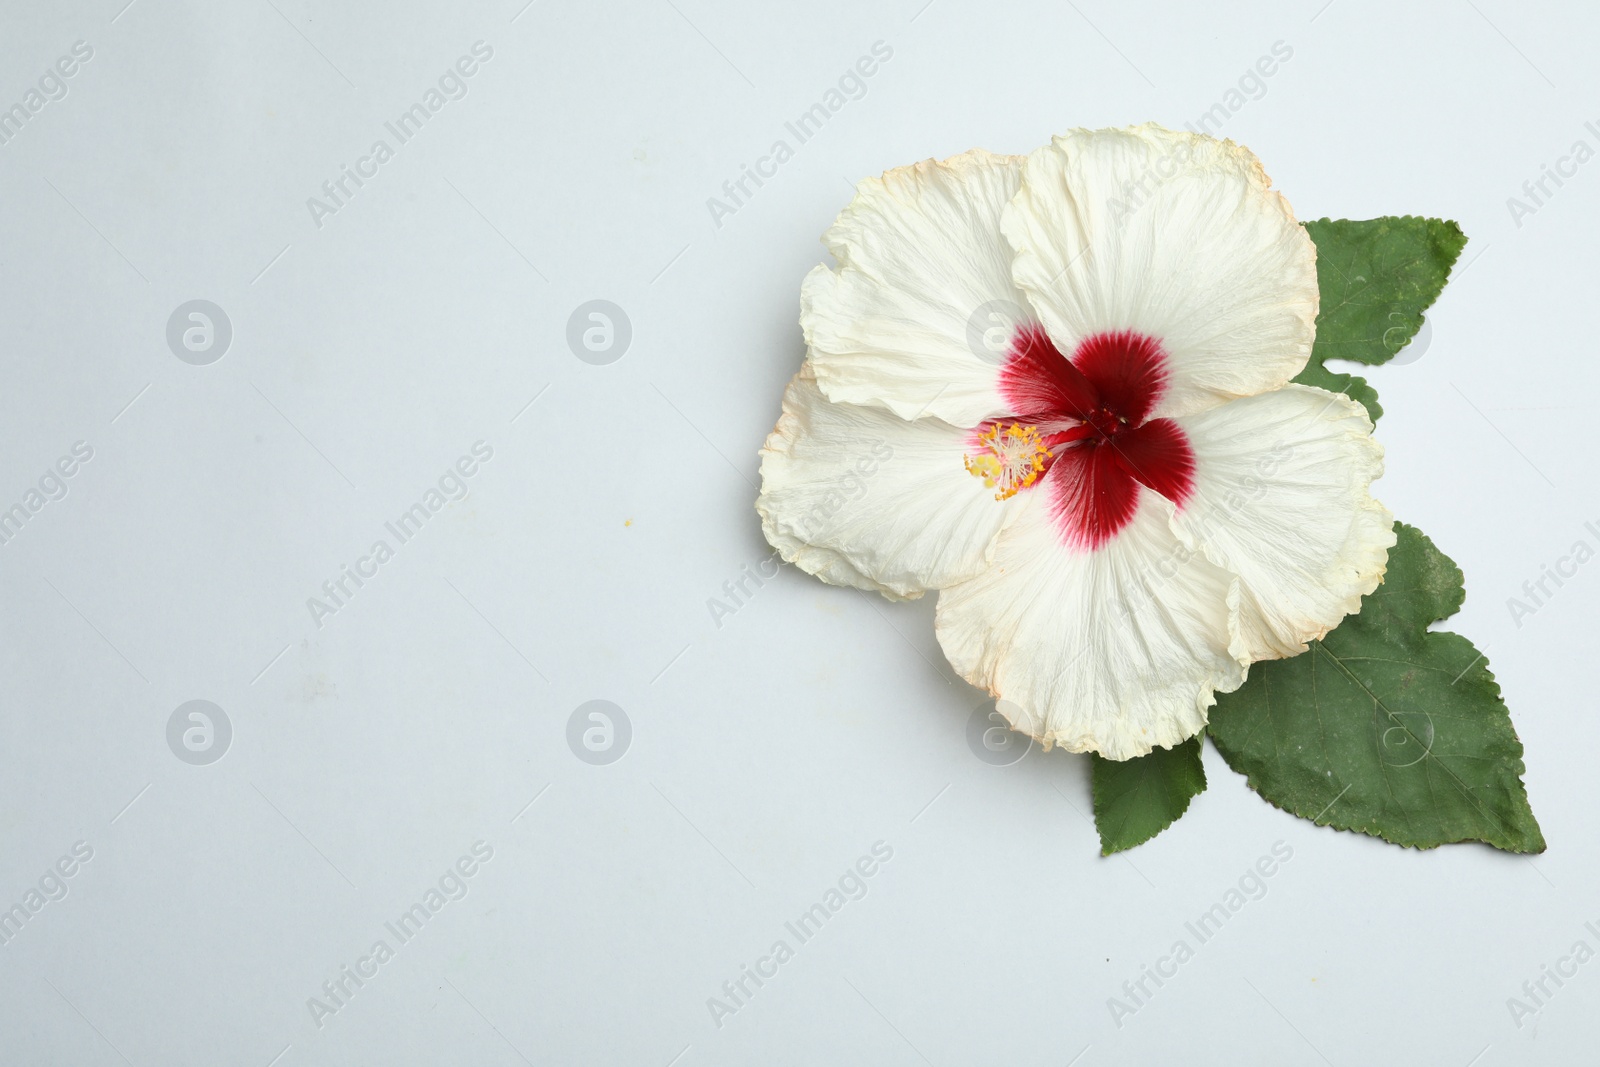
column 1056, row 389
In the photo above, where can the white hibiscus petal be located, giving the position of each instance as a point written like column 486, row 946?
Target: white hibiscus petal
column 825, row 563
column 1282, row 499
column 859, row 496
column 1173, row 235
column 919, row 312
column 1115, row 651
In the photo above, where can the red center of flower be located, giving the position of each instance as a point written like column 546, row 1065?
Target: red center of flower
column 1081, row 426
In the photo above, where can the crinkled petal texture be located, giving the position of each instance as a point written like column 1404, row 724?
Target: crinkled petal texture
column 1282, row 499
column 1115, row 651
column 861, row 497
column 1175, row 236
column 918, row 313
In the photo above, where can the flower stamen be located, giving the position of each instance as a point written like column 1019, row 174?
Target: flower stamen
column 1010, row 458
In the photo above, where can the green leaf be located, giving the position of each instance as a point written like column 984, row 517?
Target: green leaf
column 1377, row 277
column 1136, row 799
column 1383, row 726
column 1352, row 385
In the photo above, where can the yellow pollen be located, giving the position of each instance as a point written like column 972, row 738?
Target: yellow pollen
column 1011, row 458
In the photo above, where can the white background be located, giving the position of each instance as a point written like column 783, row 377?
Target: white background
column 767, row 754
